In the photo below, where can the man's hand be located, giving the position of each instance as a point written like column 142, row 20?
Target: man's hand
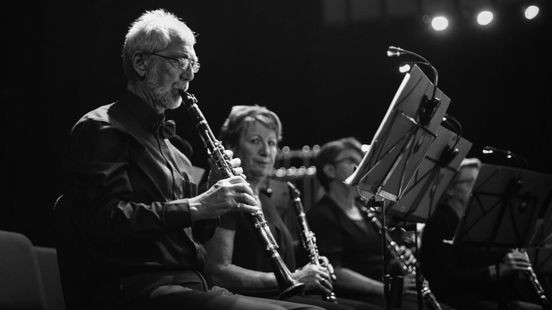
column 231, row 194
column 215, row 174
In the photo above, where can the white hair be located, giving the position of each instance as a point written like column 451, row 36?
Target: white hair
column 151, row 32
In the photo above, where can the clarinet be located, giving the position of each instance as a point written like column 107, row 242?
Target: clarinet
column 307, row 236
column 215, row 150
column 407, row 268
column 532, row 276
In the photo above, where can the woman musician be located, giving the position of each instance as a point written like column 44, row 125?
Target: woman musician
column 235, row 259
column 350, row 242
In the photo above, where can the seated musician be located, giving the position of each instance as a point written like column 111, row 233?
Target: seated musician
column 467, row 277
column 344, row 235
column 235, row 258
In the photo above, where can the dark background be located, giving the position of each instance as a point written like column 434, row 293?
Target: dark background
column 326, row 80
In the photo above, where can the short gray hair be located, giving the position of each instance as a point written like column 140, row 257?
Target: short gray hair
column 151, row 32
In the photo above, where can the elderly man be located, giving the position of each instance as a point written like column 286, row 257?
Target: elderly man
column 137, row 219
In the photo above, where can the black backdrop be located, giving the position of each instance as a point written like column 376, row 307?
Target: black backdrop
column 60, row 60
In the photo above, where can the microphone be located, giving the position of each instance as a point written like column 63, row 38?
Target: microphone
column 430, row 103
column 394, row 51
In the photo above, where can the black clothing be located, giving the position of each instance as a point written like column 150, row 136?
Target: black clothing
column 122, row 175
column 347, row 243
column 459, row 274
column 131, row 246
column 248, row 252
column 355, row 245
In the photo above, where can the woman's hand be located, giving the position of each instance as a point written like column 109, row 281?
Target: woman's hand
column 324, row 261
column 513, row 261
column 315, row 277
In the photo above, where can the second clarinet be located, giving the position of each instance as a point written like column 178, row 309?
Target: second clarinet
column 215, row 149
column 307, row 236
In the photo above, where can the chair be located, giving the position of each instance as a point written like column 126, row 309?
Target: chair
column 49, row 271
column 78, row 285
column 20, row 280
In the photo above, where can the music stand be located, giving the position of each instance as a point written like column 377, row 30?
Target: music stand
column 541, row 259
column 430, row 181
column 398, row 147
column 544, row 238
column 540, row 249
column 402, row 140
column 504, row 207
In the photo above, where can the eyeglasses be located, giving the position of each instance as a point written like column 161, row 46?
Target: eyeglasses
column 184, row 63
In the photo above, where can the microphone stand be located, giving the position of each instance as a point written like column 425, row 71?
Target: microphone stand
column 375, row 205
column 427, row 110
column 430, row 104
column 390, row 300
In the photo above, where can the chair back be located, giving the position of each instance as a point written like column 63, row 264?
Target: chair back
column 78, row 286
column 49, row 272
column 20, row 280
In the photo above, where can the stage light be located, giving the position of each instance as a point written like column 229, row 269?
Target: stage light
column 531, row 12
column 485, row 17
column 439, row 23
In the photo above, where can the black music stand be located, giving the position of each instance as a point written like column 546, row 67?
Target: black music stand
column 541, row 259
column 430, row 181
column 540, row 248
column 399, row 146
column 504, row 207
column 402, row 139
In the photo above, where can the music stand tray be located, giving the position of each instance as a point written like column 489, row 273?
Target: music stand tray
column 401, row 141
column 504, row 207
column 434, row 175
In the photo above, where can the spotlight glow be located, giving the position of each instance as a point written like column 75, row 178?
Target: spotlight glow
column 531, row 12
column 439, row 23
column 485, row 17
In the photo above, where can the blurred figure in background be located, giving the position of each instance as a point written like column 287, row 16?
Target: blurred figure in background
column 469, row 277
column 344, row 234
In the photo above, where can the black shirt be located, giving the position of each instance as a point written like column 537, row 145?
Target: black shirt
column 248, row 252
column 345, row 242
column 123, row 171
column 457, row 273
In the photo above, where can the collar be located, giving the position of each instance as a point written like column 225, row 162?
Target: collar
column 145, row 117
